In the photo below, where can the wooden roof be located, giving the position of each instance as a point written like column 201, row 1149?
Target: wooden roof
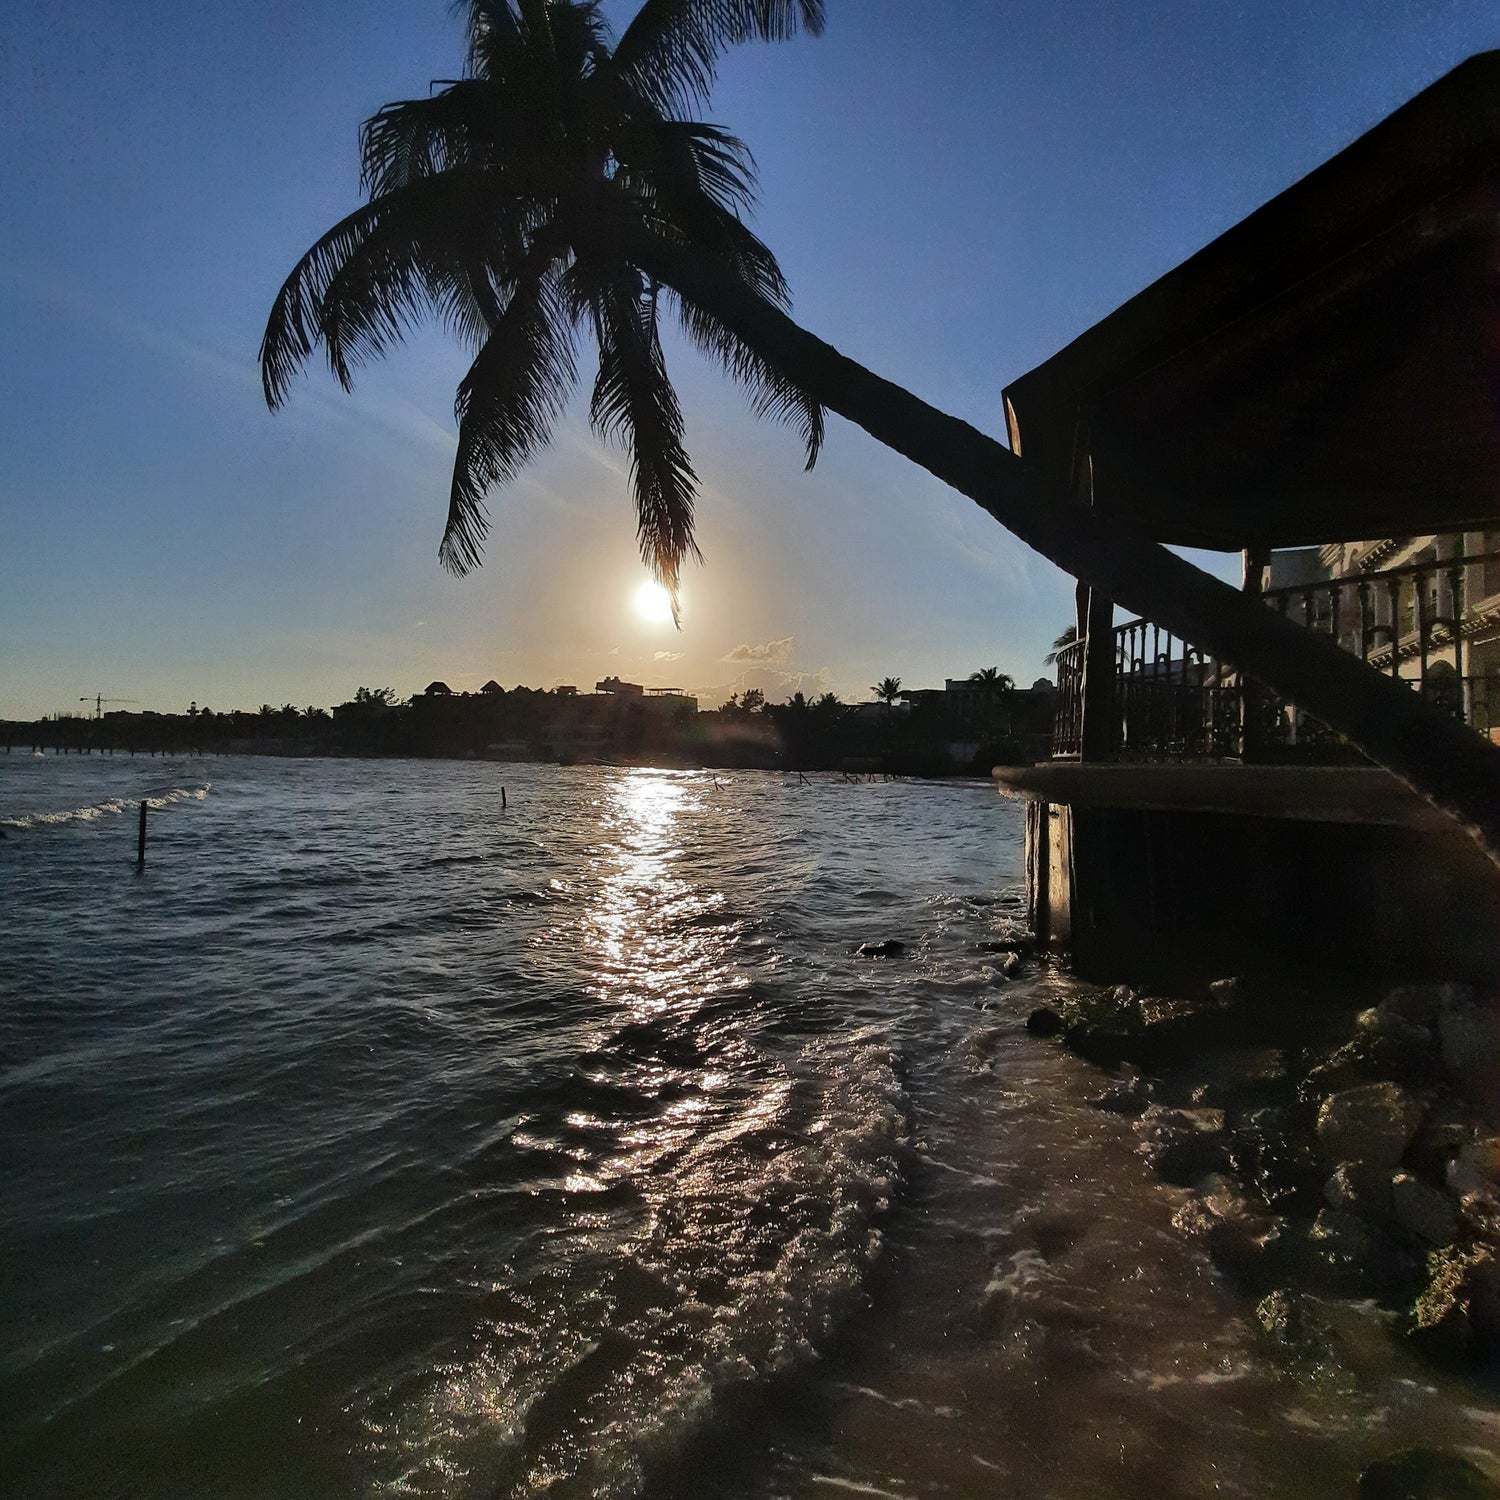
column 1327, row 370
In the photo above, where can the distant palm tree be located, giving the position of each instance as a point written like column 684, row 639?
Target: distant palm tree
column 888, row 689
column 992, row 679
column 560, row 186
column 1061, row 644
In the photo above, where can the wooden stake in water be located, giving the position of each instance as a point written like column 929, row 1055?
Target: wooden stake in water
column 140, row 847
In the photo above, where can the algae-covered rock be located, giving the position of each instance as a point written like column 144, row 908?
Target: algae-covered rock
column 1423, row 1212
column 1344, row 1241
column 1279, row 1162
column 1374, row 1123
column 1124, row 1096
column 1469, row 1030
column 1409, row 1057
column 1360, row 1188
column 1425, row 1474
column 1239, row 1238
column 1422, row 1003
column 1184, row 1145
column 1458, row 1312
column 1104, row 1025
column 1475, row 1169
column 1292, row 1328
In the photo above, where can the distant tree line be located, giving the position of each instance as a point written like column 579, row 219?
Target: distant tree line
column 928, row 733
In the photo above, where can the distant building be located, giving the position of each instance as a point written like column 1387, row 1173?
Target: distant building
column 437, row 690
column 670, row 700
column 622, row 689
column 492, row 687
column 1422, row 608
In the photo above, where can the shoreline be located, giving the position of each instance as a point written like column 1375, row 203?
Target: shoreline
column 1340, row 1144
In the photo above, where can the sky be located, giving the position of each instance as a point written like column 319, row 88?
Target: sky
column 955, row 189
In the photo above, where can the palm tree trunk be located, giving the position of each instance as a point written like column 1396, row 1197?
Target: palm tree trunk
column 1441, row 759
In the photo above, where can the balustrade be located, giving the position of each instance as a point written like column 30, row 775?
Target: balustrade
column 1173, row 702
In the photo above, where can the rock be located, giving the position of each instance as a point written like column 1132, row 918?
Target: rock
column 1422, row 1211
column 1475, row 1170
column 1425, row 1474
column 1128, row 1096
column 1443, row 1135
column 1226, row 991
column 1470, row 1037
column 1420, row 1003
column 1375, row 1123
column 1017, row 943
column 1369, row 1056
column 1382, row 1021
column 1184, row 1145
column 1277, row 1313
column 1458, row 1313
column 1236, row 1236
column 1163, row 1010
column 889, row 948
column 1104, row 1025
column 1358, row 1187
column 1044, row 1022
column 1289, row 1321
column 1283, row 1167
column 1264, row 1122
column 1341, row 1240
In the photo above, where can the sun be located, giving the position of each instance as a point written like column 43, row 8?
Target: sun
column 653, row 603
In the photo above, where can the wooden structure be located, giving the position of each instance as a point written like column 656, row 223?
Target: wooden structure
column 1326, row 371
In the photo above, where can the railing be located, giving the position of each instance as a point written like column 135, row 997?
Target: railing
column 1172, row 701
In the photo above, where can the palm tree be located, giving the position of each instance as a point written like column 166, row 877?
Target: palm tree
column 561, row 187
column 887, row 690
column 993, row 680
column 1068, row 636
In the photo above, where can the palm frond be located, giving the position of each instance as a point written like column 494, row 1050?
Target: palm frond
column 670, row 51
column 634, row 402
column 414, row 138
column 441, row 244
column 685, row 160
column 771, row 390
column 507, row 404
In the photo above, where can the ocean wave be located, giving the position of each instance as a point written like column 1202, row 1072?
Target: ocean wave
column 109, row 807
column 758, row 1231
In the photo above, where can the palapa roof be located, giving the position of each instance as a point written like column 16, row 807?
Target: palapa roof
column 1326, row 370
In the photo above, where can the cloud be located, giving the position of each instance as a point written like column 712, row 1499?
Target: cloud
column 668, row 656
column 777, row 652
column 778, row 686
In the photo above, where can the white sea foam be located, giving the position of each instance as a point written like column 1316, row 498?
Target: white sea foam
column 109, row 807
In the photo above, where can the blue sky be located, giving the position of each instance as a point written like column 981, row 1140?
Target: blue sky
column 955, row 188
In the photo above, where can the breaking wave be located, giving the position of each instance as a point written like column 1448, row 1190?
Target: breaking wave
column 109, row 807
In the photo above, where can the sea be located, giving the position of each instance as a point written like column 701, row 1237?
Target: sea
column 423, row 1128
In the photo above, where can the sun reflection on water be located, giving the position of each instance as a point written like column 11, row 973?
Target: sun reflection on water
column 639, row 927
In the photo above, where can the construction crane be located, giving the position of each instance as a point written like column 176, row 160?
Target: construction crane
column 99, row 700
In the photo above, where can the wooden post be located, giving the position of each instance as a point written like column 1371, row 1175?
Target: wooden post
column 1099, row 720
column 502, row 799
column 1255, row 566
column 140, row 847
column 1098, row 736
